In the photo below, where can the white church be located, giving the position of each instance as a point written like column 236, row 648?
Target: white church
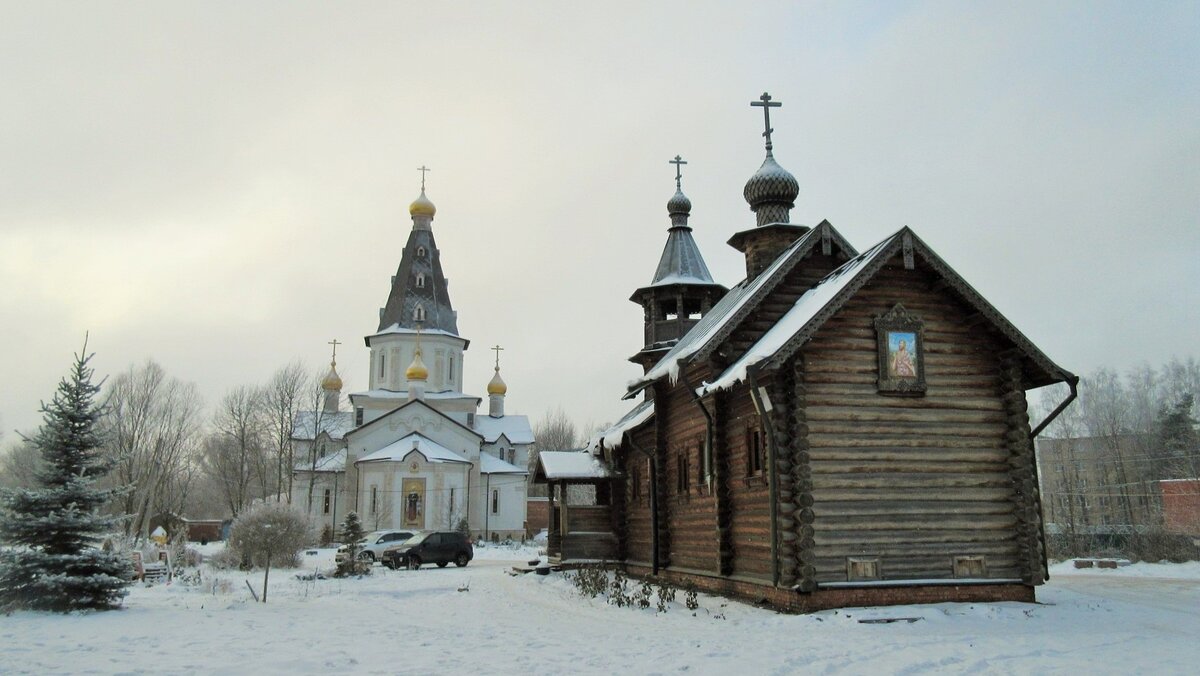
column 413, row 452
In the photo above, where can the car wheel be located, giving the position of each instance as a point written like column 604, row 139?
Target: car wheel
column 387, row 563
column 461, row 560
column 442, row 564
column 414, row 562
column 366, row 556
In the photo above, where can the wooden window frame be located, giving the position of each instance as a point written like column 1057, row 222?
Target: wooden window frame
column 964, row 565
column 867, row 564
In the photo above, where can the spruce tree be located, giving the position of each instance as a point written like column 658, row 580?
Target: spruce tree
column 53, row 563
column 352, row 532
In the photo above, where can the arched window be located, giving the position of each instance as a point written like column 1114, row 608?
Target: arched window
column 419, row 313
column 495, row 501
column 420, row 280
column 420, row 252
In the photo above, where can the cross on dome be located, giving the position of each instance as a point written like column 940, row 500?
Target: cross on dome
column 678, row 162
column 497, row 349
column 766, row 104
column 334, row 343
column 423, row 169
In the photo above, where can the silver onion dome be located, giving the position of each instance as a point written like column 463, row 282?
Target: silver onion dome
column 679, row 204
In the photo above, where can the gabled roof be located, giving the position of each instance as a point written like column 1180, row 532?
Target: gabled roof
column 515, row 427
column 336, row 425
column 490, row 464
column 818, row 304
column 556, row 465
column 414, row 402
column 416, row 442
column 735, row 306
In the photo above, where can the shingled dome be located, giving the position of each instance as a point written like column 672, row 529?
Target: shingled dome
column 679, row 204
column 771, row 185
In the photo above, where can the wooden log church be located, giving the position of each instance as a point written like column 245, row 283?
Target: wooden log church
column 840, row 428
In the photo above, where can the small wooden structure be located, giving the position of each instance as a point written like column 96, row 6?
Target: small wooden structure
column 580, row 530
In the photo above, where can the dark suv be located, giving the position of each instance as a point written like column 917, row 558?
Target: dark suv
column 440, row 547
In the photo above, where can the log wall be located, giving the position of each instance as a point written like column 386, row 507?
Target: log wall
column 691, row 513
column 914, row 481
column 636, row 516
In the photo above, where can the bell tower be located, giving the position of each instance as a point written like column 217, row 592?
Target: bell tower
column 682, row 290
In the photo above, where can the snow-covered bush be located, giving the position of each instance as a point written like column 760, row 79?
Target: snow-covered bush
column 270, row 534
column 56, row 528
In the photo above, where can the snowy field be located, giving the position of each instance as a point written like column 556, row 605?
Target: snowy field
column 1139, row 619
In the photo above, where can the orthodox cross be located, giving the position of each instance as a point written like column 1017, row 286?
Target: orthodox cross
column 766, row 104
column 334, row 343
column 678, row 162
column 424, row 169
column 497, row 350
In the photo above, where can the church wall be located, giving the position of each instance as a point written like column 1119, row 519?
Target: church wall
column 508, row 522
column 339, row 505
column 691, row 507
column 637, row 519
column 432, row 511
column 396, row 351
column 750, row 524
column 914, row 481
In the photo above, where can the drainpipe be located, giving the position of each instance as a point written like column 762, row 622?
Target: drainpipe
column 708, row 431
column 1073, row 383
column 653, row 501
column 764, row 415
column 487, row 509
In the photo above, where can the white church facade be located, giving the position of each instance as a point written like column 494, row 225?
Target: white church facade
column 413, row 452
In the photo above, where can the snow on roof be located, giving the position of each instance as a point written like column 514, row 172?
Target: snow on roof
column 711, row 324
column 795, row 319
column 334, row 462
column 572, row 465
column 612, row 436
column 394, row 394
column 396, row 328
column 334, row 424
column 681, row 279
column 515, row 427
column 490, row 464
column 402, row 447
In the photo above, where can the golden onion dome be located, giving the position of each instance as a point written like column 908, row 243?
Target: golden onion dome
column 332, row 381
column 416, row 370
column 496, row 385
column 422, row 206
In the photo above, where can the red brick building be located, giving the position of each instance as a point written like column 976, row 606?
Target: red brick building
column 1181, row 505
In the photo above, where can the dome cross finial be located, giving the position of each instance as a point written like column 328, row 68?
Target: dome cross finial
column 767, row 104
column 678, row 162
column 335, row 342
column 423, row 169
column 497, row 349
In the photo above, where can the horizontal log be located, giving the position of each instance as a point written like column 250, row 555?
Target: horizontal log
column 909, row 454
column 818, row 441
column 823, row 494
column 827, row 523
column 1000, row 548
column 882, row 539
column 932, row 482
column 874, row 507
column 815, row 413
column 936, row 466
column 911, row 428
column 966, row 400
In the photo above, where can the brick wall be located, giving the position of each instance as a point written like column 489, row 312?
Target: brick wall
column 1181, row 505
column 537, row 515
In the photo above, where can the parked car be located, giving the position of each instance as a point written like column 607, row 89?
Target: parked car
column 372, row 546
column 440, row 547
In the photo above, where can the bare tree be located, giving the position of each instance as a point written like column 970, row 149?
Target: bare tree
column 150, row 431
column 235, row 453
column 283, row 397
column 19, row 464
column 554, row 431
column 270, row 532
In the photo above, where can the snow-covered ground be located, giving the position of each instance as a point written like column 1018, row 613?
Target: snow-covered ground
column 1142, row 619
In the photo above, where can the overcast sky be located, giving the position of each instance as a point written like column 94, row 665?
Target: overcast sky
column 224, row 187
